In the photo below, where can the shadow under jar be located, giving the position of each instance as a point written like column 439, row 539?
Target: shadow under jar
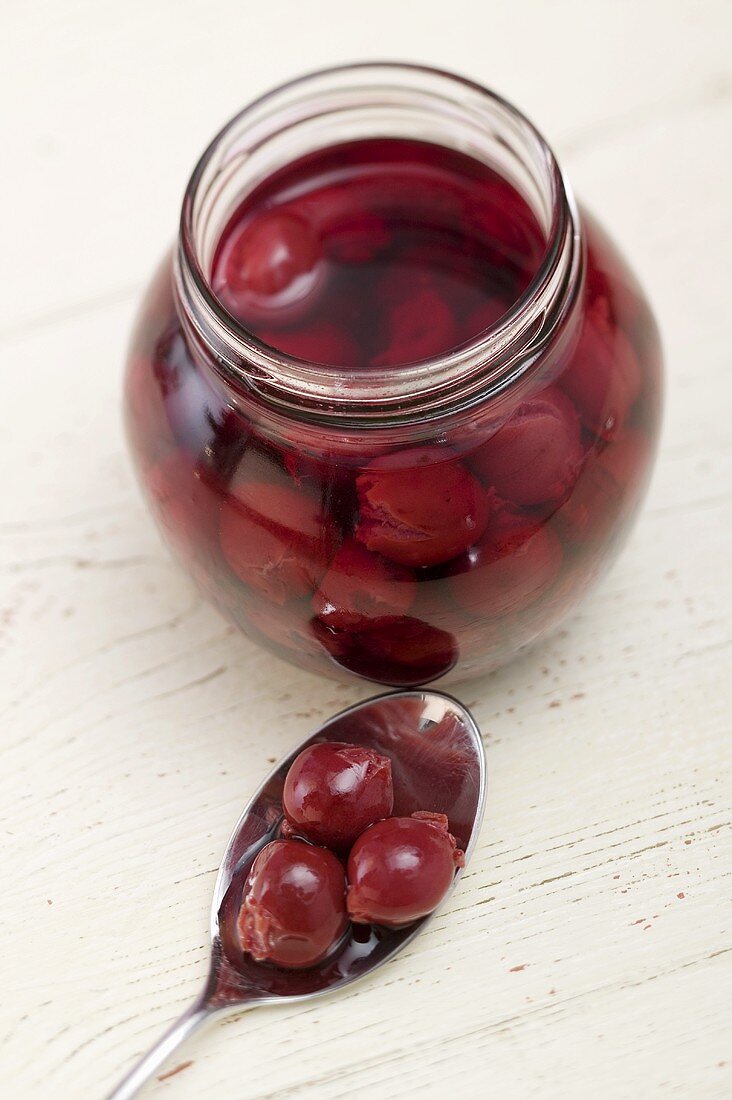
column 393, row 400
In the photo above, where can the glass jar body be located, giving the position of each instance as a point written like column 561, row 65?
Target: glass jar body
column 410, row 553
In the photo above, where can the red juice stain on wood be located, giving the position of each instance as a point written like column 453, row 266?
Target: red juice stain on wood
column 681, row 895
column 175, row 1070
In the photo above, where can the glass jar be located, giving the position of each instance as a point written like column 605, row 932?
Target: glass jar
column 419, row 522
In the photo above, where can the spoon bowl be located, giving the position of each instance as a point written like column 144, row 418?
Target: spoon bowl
column 438, row 764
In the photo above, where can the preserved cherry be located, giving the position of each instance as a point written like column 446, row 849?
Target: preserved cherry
column 514, row 564
column 269, row 267
column 333, row 791
column 608, row 491
column 277, row 540
column 401, row 651
column 292, row 904
column 420, row 508
column 604, row 378
column 400, row 869
column 417, row 326
column 293, row 910
column 360, row 587
column 534, row 459
column 180, row 493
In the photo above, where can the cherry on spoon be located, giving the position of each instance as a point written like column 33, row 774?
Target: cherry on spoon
column 438, row 764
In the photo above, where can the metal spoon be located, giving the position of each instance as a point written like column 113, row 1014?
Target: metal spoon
column 438, row 764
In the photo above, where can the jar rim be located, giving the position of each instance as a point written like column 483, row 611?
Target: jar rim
column 474, row 371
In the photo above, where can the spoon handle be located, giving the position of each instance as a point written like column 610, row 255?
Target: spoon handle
column 191, row 1020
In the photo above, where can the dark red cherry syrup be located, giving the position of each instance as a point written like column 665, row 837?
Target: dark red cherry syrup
column 399, row 556
column 376, row 253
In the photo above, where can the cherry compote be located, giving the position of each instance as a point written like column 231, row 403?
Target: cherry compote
column 295, row 898
column 400, row 869
column 441, row 546
column 334, row 791
column 293, row 911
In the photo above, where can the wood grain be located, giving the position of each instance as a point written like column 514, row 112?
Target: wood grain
column 588, row 950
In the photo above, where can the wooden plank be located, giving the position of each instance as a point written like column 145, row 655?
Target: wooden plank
column 588, row 948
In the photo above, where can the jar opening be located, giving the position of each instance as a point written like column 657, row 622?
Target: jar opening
column 359, row 102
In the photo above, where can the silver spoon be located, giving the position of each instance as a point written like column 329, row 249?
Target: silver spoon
column 438, row 764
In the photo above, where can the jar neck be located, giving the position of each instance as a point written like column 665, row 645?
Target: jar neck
column 359, row 102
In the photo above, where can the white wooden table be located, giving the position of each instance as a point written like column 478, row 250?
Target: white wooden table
column 587, row 951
